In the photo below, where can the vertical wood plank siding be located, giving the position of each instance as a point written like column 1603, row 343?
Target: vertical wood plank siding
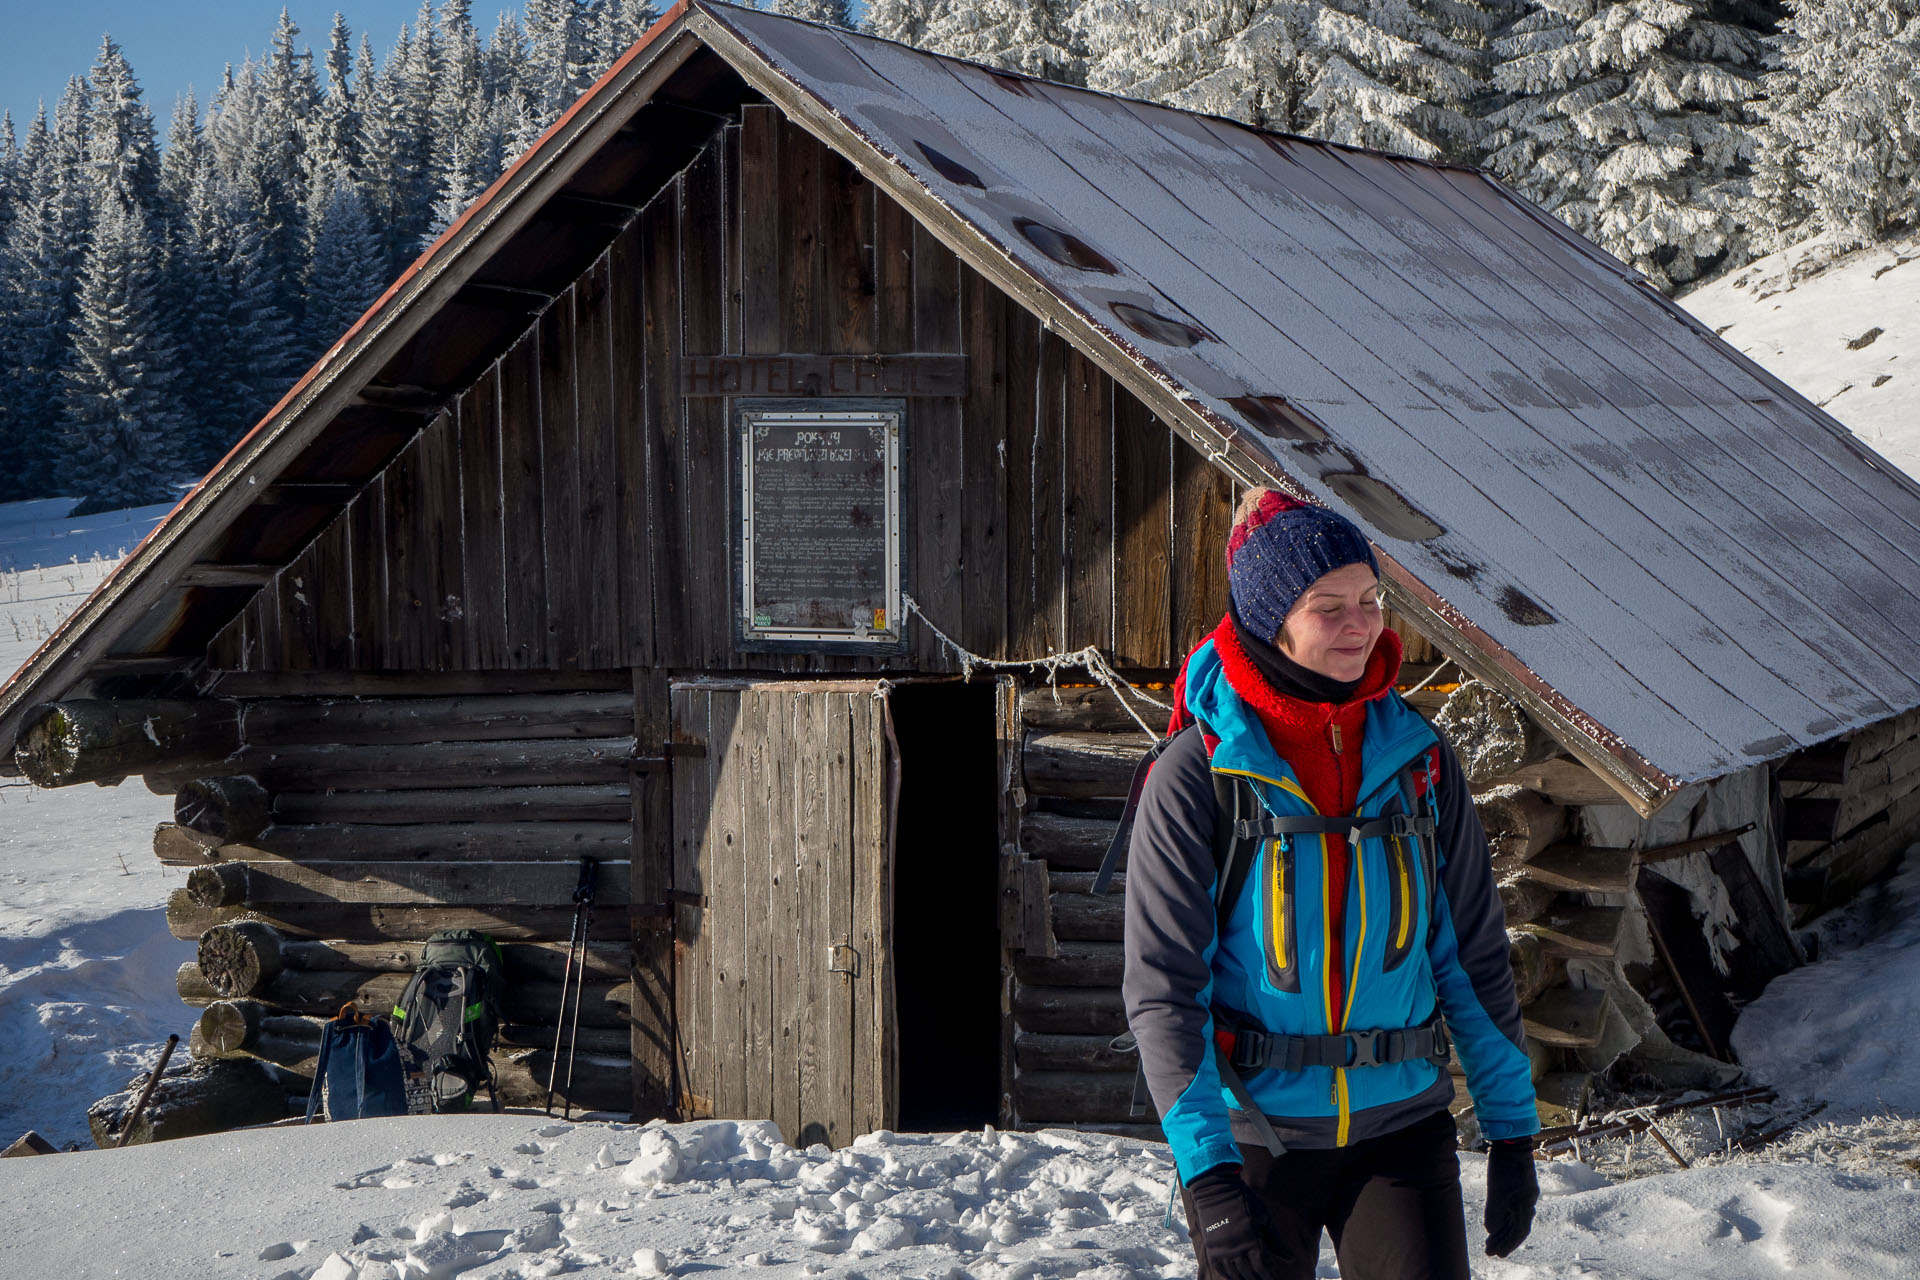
column 573, row 511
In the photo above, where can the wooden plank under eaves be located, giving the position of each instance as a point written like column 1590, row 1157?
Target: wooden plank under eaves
column 1584, row 931
column 1567, row 1018
column 1576, row 868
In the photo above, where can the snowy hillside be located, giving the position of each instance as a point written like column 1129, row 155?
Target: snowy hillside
column 1843, row 332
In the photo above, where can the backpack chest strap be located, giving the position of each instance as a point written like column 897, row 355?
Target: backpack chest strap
column 1354, row 827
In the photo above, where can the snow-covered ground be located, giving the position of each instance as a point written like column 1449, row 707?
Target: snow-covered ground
column 86, row 962
column 86, row 995
column 1844, row 332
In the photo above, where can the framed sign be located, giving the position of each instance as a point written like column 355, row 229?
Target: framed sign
column 819, row 524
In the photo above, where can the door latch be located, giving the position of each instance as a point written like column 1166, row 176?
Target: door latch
column 842, row 958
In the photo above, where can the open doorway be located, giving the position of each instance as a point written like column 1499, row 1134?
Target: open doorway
column 946, row 944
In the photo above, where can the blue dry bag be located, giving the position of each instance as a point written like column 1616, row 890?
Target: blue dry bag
column 359, row 1069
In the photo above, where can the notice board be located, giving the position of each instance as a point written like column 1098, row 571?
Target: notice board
column 819, row 506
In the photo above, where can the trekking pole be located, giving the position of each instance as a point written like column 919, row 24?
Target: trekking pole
column 583, row 898
column 147, row 1093
column 576, row 944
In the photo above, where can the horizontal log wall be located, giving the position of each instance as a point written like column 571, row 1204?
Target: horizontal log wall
column 572, row 511
column 393, row 818
column 1871, row 814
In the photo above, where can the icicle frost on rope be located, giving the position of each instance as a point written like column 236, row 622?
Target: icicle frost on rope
column 1089, row 659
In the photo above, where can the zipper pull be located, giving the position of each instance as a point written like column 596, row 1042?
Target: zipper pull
column 1336, row 736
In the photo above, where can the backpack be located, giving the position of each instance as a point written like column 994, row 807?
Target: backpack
column 359, row 1070
column 446, row 1018
column 1240, row 828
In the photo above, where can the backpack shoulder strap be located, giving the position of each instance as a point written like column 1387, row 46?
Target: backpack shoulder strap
column 1123, row 834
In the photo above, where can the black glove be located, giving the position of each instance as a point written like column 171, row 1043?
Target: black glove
column 1229, row 1222
column 1512, row 1191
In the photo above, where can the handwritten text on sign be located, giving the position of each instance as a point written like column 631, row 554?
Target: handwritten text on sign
column 792, row 375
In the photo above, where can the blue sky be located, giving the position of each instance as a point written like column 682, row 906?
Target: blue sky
column 174, row 43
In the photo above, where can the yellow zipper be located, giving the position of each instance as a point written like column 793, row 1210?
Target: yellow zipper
column 1406, row 894
column 1289, row 787
column 1353, row 987
column 1279, row 909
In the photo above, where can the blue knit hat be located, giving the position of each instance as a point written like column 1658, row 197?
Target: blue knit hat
column 1278, row 549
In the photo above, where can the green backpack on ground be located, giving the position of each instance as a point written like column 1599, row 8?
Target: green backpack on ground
column 445, row 1020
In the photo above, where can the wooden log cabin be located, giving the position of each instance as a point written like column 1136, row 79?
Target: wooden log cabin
column 726, row 496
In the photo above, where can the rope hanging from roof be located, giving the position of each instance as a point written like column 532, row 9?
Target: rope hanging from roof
column 1088, row 659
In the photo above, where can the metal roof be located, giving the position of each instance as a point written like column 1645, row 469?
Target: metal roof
column 1673, row 560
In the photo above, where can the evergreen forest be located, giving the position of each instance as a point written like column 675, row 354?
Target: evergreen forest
column 161, row 289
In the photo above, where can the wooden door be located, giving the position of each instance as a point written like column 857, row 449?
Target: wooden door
column 782, row 831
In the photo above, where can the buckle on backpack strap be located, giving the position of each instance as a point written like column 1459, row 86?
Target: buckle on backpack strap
column 1249, row 1050
column 1368, row 1048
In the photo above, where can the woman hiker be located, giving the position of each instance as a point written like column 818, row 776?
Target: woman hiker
column 1291, row 1037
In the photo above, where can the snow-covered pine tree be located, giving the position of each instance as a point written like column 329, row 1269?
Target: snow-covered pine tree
column 1030, row 36
column 9, row 171
column 121, row 425
column 833, row 12
column 257, row 347
column 347, row 267
column 1843, row 116
column 510, row 92
column 333, row 143
column 192, row 306
column 557, row 57
column 1633, row 121
column 40, row 267
column 901, row 20
column 279, row 174
column 396, row 137
column 614, row 25
column 467, row 150
column 1233, row 58
column 1399, row 75
column 123, row 160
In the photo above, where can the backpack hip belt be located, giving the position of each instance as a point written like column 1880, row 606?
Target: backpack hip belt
column 1253, row 1050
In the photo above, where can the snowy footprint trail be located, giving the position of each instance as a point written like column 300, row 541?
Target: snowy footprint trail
column 498, row 1197
column 513, row 1197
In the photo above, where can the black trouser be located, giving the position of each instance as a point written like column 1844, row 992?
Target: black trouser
column 1391, row 1204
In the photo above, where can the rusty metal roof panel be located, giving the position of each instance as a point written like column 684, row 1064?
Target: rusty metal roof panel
column 1663, row 547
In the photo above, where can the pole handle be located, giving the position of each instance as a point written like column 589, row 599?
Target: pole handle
column 153, row 1078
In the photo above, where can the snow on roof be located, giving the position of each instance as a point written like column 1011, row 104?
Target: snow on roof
column 1673, row 552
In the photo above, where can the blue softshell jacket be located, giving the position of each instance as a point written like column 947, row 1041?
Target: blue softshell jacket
column 1413, row 941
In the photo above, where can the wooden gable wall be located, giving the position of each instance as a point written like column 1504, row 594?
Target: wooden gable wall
column 572, row 511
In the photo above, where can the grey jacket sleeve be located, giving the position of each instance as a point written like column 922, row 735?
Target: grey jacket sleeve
column 1469, row 953
column 1170, row 943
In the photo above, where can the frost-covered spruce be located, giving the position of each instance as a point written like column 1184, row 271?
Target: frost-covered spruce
column 1633, row 121
column 1233, row 58
column 1401, row 76
column 1030, row 36
column 833, row 12
column 122, row 425
column 1842, row 117
column 901, row 20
